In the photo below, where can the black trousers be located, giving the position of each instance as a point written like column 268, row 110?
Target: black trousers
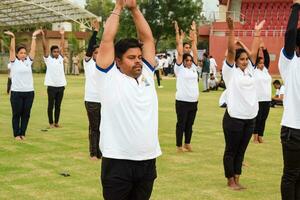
column 21, row 103
column 290, row 182
column 157, row 77
column 186, row 113
column 237, row 134
column 93, row 112
column 55, row 96
column 261, row 118
column 126, row 179
column 8, row 85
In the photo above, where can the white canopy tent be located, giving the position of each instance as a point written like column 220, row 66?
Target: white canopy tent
column 30, row 12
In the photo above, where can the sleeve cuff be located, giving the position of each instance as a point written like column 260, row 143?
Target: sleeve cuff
column 105, row 70
column 148, row 65
column 229, row 65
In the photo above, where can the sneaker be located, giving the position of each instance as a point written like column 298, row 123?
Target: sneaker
column 160, row 86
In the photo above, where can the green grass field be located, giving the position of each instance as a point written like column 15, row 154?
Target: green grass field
column 30, row 170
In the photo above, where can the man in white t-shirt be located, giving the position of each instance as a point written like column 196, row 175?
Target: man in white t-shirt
column 289, row 67
column 129, row 108
column 213, row 66
column 279, row 95
column 55, row 79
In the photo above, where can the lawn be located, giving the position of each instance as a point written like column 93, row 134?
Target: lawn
column 31, row 170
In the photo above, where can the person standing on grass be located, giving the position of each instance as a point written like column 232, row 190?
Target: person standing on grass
column 22, row 91
column 129, row 108
column 187, row 90
column 92, row 95
column 55, row 79
column 289, row 68
column 205, row 72
column 263, row 82
column 238, row 121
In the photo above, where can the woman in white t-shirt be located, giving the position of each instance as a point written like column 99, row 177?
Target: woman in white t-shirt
column 187, row 91
column 242, row 104
column 263, row 82
column 22, row 92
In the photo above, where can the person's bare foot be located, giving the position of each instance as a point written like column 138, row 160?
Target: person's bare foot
column 232, row 185
column 51, row 126
column 188, row 147
column 18, row 138
column 94, row 158
column 57, row 126
column 23, row 137
column 260, row 139
column 255, row 138
column 237, row 182
column 180, row 150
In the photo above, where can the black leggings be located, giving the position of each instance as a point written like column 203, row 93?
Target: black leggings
column 93, row 111
column 290, row 182
column 237, row 134
column 55, row 96
column 186, row 113
column 21, row 103
column 261, row 118
column 157, row 77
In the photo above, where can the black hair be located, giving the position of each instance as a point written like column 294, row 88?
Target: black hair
column 124, row 44
column 238, row 53
column 298, row 38
column 186, row 55
column 276, row 82
column 258, row 60
column 53, row 48
column 20, row 47
column 96, row 46
column 205, row 55
column 185, row 43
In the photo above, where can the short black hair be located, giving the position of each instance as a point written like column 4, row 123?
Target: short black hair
column 276, row 82
column 124, row 44
column 53, row 48
column 238, row 53
column 20, row 47
column 205, row 55
column 186, row 55
column 185, row 43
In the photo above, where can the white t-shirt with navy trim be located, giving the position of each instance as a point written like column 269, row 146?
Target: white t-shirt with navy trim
column 92, row 93
column 21, row 75
column 187, row 88
column 263, row 83
column 129, row 114
column 55, row 74
column 290, row 73
column 241, row 95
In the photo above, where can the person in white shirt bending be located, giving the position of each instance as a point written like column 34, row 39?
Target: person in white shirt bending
column 238, row 121
column 187, row 90
column 129, row 108
column 22, row 91
column 55, row 79
column 279, row 94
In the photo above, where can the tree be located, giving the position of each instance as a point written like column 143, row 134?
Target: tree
column 160, row 15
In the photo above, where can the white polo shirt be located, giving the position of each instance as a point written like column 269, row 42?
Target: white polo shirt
column 280, row 91
column 290, row 73
column 21, row 75
column 55, row 75
column 129, row 114
column 187, row 88
column 92, row 93
column 241, row 95
column 263, row 83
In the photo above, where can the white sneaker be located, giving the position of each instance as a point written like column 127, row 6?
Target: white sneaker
column 160, row 86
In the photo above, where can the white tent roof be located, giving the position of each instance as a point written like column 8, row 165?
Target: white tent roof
column 27, row 12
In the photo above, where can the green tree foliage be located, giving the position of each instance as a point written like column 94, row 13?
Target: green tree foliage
column 160, row 15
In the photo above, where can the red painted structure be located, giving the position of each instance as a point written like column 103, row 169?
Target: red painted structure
column 275, row 12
